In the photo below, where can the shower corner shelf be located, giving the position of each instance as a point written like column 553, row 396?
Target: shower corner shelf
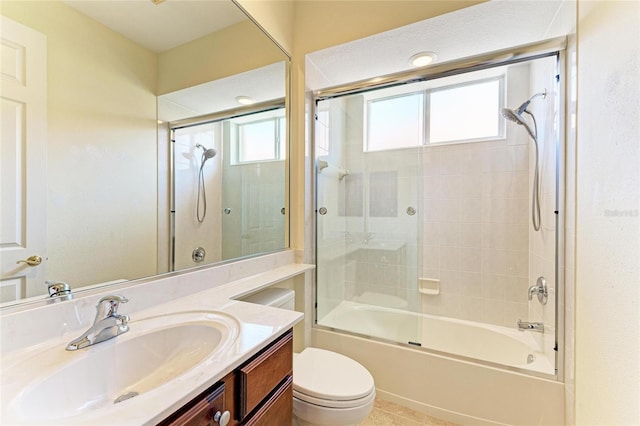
column 430, row 286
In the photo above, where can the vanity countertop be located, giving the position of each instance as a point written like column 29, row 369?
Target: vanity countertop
column 258, row 326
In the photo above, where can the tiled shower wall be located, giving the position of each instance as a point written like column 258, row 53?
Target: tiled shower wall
column 476, row 222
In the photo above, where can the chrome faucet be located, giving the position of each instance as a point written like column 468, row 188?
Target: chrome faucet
column 107, row 324
column 538, row 327
column 539, row 289
column 58, row 291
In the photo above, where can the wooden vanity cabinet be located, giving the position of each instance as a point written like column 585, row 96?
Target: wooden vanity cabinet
column 265, row 393
column 259, row 392
column 201, row 410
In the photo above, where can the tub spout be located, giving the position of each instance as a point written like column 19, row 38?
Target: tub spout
column 538, row 327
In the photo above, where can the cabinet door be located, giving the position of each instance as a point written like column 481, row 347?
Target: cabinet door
column 277, row 409
column 264, row 373
column 201, row 410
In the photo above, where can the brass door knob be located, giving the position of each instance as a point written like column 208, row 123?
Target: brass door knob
column 31, row 261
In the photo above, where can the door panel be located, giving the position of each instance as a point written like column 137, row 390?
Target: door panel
column 23, row 160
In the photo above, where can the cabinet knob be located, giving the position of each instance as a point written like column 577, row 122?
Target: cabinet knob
column 222, row 418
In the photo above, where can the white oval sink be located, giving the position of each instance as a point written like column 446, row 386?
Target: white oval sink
column 155, row 351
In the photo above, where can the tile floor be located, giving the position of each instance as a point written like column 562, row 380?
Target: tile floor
column 389, row 414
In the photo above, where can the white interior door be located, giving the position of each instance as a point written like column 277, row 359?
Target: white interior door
column 23, row 94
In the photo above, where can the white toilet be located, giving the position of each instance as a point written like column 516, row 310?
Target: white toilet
column 328, row 388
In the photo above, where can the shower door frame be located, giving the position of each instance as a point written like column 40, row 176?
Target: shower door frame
column 207, row 119
column 544, row 49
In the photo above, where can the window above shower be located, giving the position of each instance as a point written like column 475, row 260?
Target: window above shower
column 258, row 137
column 458, row 109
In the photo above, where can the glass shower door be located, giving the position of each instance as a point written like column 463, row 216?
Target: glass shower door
column 367, row 228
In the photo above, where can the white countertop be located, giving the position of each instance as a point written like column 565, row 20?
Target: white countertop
column 259, row 325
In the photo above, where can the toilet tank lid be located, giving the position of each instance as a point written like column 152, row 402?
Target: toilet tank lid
column 271, row 297
column 330, row 376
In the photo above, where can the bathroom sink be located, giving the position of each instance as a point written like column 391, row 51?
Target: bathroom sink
column 383, row 245
column 154, row 352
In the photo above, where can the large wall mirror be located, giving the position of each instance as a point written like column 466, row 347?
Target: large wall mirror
column 165, row 145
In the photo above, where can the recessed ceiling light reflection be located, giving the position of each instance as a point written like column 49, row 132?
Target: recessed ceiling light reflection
column 423, row 59
column 245, row 100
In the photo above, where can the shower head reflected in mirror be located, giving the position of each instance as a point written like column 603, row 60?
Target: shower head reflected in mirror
column 206, row 153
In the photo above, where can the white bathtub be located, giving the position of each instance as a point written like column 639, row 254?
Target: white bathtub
column 452, row 388
column 491, row 343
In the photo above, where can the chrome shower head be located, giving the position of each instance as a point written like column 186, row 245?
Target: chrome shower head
column 522, row 108
column 206, row 153
column 512, row 115
column 516, row 115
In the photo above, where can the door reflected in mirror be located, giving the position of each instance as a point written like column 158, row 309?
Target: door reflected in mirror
column 107, row 190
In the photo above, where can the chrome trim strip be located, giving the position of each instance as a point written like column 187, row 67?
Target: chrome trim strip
column 486, row 60
column 230, row 113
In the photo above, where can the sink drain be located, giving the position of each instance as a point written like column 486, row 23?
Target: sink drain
column 125, row 396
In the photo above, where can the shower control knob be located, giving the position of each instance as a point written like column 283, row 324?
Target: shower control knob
column 322, row 210
column 198, row 254
column 222, row 418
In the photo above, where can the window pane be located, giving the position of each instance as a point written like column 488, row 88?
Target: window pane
column 283, row 138
column 322, row 133
column 257, row 141
column 465, row 112
column 395, row 122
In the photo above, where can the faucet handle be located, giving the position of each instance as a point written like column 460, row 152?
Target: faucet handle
column 112, row 302
column 114, row 298
column 124, row 320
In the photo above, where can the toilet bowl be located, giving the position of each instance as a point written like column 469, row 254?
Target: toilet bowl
column 329, row 389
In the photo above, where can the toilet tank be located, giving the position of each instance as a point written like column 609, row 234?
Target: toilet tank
column 277, row 297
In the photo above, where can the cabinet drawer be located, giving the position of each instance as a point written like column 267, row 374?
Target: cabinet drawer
column 260, row 376
column 278, row 409
column 201, row 410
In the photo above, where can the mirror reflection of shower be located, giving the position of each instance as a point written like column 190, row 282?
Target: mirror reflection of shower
column 202, row 192
column 342, row 173
column 516, row 117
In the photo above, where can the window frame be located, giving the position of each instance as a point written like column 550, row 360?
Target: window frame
column 278, row 138
column 429, row 87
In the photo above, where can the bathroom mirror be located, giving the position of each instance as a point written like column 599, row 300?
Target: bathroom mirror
column 118, row 74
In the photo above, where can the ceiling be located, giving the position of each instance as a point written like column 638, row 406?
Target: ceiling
column 262, row 84
column 163, row 26
column 486, row 27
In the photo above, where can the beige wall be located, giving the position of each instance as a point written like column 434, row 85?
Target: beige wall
column 607, row 375
column 232, row 50
column 101, row 135
column 275, row 17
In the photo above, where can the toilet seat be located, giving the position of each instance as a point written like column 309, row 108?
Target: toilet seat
column 329, row 379
column 327, row 403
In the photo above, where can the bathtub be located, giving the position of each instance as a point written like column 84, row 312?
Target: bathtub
column 452, row 387
column 491, row 343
